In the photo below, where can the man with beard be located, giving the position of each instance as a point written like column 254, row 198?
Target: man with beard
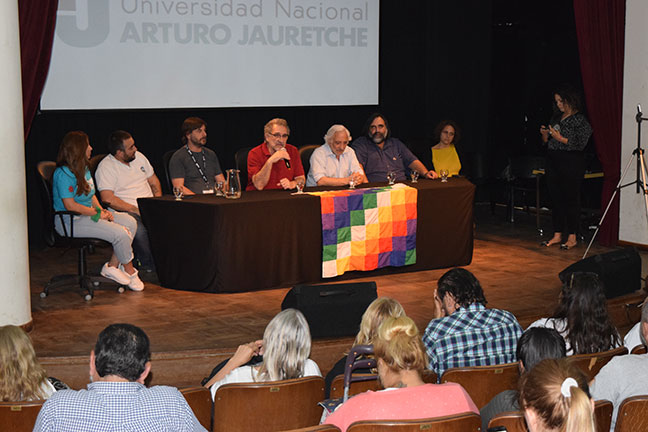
column 378, row 153
column 194, row 167
column 122, row 177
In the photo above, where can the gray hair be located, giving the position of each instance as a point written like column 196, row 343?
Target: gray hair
column 286, row 346
column 333, row 130
column 644, row 320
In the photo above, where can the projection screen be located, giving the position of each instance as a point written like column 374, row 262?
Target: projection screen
column 112, row 54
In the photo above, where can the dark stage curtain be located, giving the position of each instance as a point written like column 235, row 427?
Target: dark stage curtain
column 37, row 22
column 600, row 26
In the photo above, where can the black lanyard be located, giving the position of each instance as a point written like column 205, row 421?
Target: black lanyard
column 204, row 177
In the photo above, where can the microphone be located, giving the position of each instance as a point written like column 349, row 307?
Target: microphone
column 286, row 161
column 639, row 115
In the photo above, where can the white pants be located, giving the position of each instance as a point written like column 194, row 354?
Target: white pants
column 119, row 233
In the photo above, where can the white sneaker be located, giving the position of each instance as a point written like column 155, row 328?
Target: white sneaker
column 115, row 274
column 134, row 282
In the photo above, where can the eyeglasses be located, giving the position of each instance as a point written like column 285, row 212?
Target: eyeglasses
column 279, row 136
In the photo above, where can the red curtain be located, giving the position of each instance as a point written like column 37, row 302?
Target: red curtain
column 600, row 26
column 37, row 21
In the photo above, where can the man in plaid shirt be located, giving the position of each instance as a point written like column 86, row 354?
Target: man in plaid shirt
column 464, row 332
column 116, row 399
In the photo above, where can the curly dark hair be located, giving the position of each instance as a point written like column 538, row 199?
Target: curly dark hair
column 439, row 127
column 372, row 117
column 569, row 95
column 583, row 306
column 463, row 286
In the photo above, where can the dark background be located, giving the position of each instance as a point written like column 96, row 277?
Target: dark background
column 490, row 65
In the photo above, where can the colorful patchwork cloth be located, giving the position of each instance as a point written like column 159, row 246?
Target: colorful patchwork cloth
column 366, row 229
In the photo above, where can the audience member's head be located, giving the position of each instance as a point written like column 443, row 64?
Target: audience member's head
column 584, row 307
column 286, row 346
column 554, row 396
column 398, row 349
column 21, row 376
column 379, row 310
column 537, row 344
column 122, row 351
column 462, row 287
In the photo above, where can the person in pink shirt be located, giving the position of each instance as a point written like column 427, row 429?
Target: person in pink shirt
column 401, row 360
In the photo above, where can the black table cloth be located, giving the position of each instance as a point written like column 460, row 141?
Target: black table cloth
column 272, row 239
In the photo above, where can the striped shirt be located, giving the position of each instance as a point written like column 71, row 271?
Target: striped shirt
column 471, row 336
column 117, row 406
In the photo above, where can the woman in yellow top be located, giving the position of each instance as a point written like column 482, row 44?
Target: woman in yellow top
column 444, row 154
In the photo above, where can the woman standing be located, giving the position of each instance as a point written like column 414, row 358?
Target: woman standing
column 74, row 190
column 566, row 137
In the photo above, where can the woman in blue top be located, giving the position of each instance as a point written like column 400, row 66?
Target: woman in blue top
column 73, row 190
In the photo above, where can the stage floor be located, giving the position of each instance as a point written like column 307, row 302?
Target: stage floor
column 516, row 273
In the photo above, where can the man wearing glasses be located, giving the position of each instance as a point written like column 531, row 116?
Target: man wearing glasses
column 274, row 164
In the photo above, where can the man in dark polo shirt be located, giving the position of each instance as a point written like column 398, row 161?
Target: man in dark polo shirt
column 378, row 153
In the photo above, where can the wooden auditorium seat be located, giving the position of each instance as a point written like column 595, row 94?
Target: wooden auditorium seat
column 268, row 406
column 483, row 382
column 19, row 416
column 318, row 428
column 639, row 349
column 356, row 387
column 464, row 422
column 632, row 415
column 513, row 421
column 200, row 402
column 591, row 364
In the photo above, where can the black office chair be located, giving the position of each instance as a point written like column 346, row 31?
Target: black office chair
column 240, row 157
column 166, row 157
column 84, row 245
column 305, row 153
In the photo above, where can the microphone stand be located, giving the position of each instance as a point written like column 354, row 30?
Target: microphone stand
column 640, row 182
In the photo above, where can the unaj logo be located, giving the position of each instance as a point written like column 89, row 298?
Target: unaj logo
column 82, row 23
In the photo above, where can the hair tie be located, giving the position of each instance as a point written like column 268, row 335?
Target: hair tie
column 566, row 385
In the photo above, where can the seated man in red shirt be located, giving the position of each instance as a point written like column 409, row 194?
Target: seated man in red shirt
column 274, row 164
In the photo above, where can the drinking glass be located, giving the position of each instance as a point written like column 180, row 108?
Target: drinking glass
column 391, row 177
column 444, row 175
column 219, row 189
column 178, row 192
column 414, row 175
column 300, row 185
column 352, row 182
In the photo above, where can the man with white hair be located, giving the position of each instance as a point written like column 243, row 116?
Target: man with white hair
column 334, row 163
column 623, row 376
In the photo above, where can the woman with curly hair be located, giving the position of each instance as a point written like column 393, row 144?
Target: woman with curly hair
column 582, row 316
column 401, row 360
column 555, row 397
column 22, row 378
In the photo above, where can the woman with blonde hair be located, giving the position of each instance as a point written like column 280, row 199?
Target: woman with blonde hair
column 555, row 397
column 22, row 378
column 285, row 348
column 401, row 360
column 379, row 310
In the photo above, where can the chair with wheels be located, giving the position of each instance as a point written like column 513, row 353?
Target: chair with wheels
column 84, row 245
